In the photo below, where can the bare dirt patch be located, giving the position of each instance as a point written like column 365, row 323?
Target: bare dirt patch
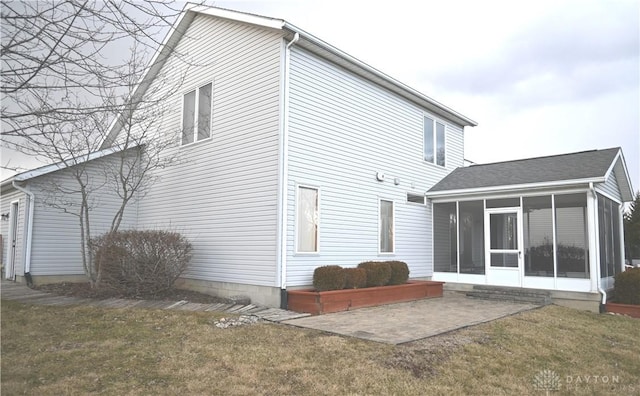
column 424, row 357
column 84, row 290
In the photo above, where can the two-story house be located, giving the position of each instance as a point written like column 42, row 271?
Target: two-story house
column 298, row 155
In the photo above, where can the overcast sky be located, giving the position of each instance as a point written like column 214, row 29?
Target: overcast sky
column 539, row 77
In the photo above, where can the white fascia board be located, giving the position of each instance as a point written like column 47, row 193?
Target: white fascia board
column 512, row 188
column 8, row 182
column 43, row 170
column 613, row 164
column 627, row 193
column 369, row 69
column 149, row 74
column 237, row 16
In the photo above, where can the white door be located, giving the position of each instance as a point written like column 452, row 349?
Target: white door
column 504, row 246
column 10, row 272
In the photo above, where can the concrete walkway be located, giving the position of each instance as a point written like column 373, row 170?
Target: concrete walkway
column 406, row 322
column 393, row 324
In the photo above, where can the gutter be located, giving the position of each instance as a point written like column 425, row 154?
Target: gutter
column 602, row 292
column 27, row 260
column 284, row 176
column 509, row 188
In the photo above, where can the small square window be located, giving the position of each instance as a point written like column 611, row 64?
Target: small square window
column 415, row 198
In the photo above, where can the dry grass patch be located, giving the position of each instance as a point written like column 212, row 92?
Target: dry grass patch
column 587, row 353
column 82, row 350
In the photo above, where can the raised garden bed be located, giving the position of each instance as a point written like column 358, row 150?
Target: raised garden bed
column 624, row 309
column 316, row 303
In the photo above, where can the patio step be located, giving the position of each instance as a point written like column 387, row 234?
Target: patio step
column 512, row 294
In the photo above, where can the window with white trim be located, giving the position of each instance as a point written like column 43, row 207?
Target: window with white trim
column 386, row 227
column 434, row 141
column 307, row 220
column 415, row 198
column 196, row 114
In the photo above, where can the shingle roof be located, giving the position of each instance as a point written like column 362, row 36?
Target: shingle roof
column 575, row 166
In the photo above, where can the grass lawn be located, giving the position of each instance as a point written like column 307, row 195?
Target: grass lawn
column 81, row 350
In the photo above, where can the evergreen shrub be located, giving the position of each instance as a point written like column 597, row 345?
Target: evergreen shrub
column 329, row 277
column 627, row 287
column 399, row 273
column 356, row 278
column 378, row 272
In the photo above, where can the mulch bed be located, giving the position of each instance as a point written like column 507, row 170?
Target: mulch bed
column 84, row 290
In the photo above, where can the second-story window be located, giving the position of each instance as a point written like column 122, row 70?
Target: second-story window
column 196, row 114
column 434, row 145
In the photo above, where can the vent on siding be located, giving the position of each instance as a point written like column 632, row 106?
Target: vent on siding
column 415, row 198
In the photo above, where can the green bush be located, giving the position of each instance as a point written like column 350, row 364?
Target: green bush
column 399, row 272
column 329, row 277
column 141, row 263
column 356, row 278
column 627, row 287
column 378, row 272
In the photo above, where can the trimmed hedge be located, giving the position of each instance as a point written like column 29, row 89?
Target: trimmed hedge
column 378, row 272
column 356, row 278
column 329, row 277
column 367, row 274
column 627, row 287
column 399, row 273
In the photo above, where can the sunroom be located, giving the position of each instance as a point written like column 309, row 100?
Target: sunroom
column 552, row 223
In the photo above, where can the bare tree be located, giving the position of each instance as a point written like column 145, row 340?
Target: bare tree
column 66, row 87
column 56, row 51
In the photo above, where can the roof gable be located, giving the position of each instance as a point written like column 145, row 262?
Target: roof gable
column 584, row 167
column 307, row 41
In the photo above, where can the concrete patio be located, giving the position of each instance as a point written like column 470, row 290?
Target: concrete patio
column 410, row 321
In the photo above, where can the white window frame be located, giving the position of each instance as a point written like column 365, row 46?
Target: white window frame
column 393, row 226
column 424, row 199
column 297, row 225
column 435, row 122
column 196, row 115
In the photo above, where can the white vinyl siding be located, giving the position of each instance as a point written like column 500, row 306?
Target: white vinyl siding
column 223, row 193
column 610, row 188
column 342, row 130
column 56, row 246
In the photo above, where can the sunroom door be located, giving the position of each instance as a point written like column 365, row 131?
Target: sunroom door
column 504, row 246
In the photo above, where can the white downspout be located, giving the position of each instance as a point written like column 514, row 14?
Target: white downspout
column 602, row 292
column 32, row 198
column 284, row 175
